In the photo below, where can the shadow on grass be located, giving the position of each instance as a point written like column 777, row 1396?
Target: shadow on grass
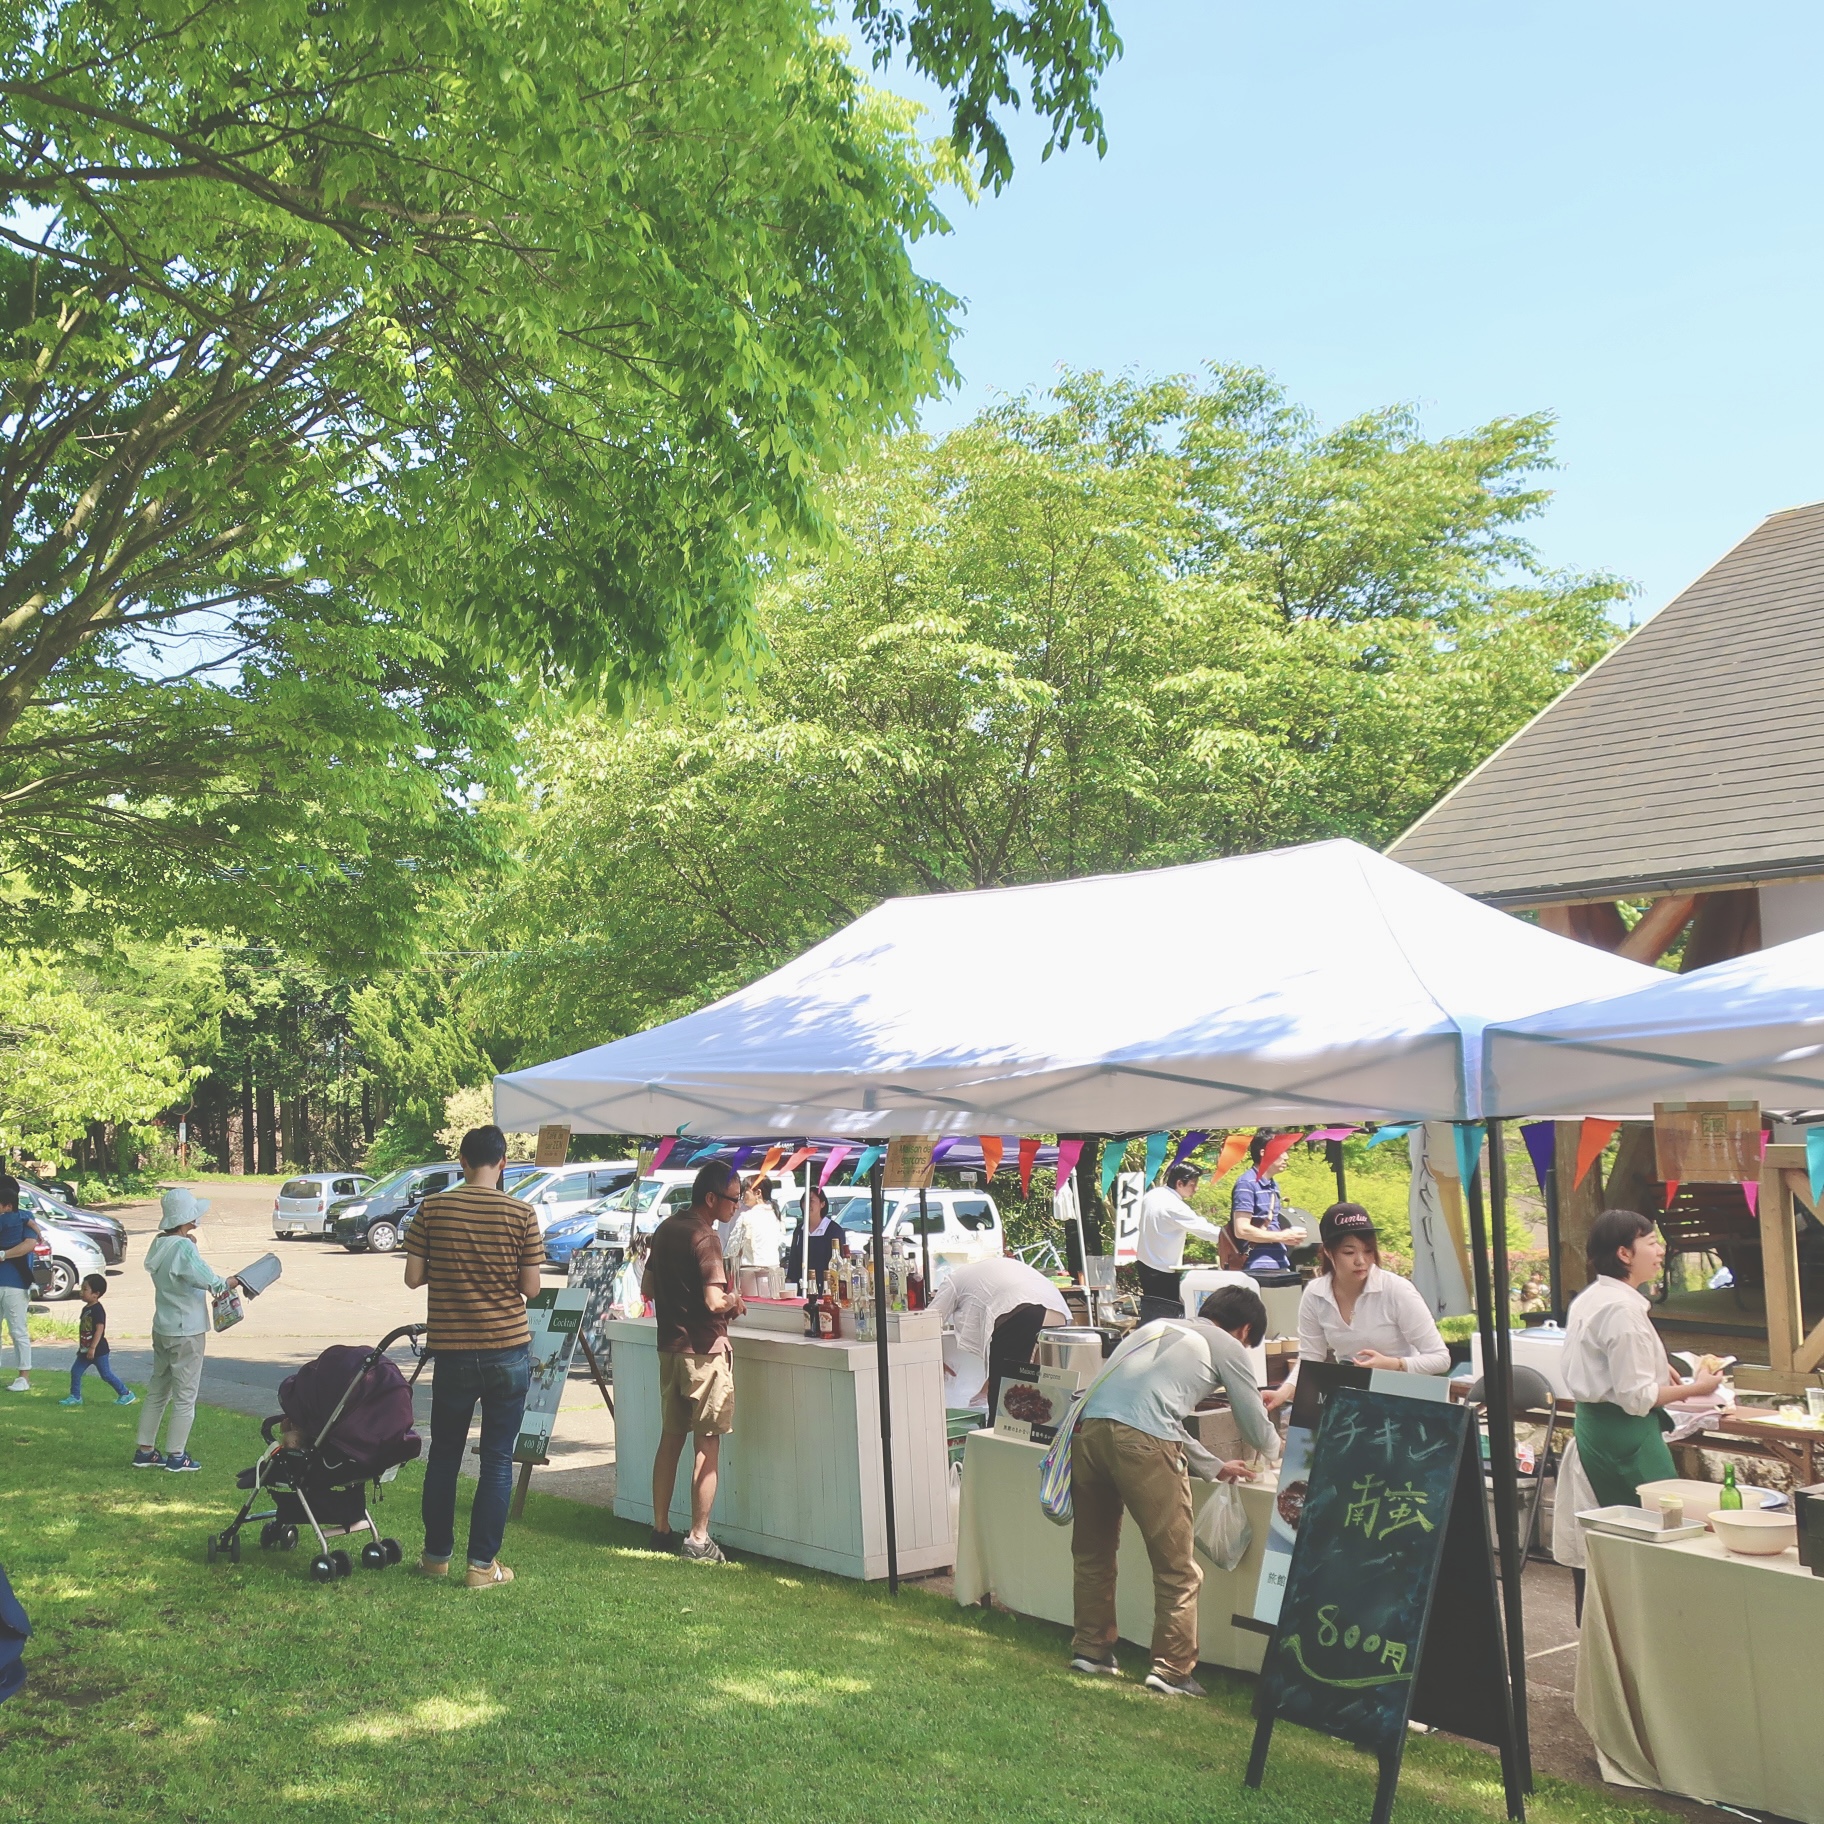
column 607, row 1678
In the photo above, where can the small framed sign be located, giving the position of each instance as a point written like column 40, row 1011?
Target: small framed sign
column 553, row 1144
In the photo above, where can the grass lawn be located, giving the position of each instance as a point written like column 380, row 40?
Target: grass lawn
column 607, row 1682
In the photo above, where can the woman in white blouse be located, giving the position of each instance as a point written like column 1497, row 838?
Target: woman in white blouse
column 1615, row 1365
column 1356, row 1311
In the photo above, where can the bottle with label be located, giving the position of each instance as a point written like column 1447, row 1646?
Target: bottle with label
column 829, row 1317
column 810, row 1307
column 1731, row 1495
column 915, row 1289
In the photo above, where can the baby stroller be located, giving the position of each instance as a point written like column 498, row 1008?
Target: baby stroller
column 346, row 1421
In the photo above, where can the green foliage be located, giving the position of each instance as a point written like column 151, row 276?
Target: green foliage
column 367, row 366
column 1128, row 625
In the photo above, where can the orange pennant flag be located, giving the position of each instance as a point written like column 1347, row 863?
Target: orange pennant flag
column 993, row 1146
column 773, row 1155
column 1593, row 1137
column 797, row 1159
column 1671, row 1191
column 1234, row 1150
column 1029, row 1154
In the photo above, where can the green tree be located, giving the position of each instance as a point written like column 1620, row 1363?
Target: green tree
column 1127, row 625
column 347, row 350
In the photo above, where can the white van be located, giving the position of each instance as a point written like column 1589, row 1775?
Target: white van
column 962, row 1225
column 557, row 1191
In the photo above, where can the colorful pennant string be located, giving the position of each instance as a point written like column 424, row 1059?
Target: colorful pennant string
column 663, row 1151
column 1671, row 1191
column 1814, row 1163
column 1234, row 1150
column 1751, row 1190
column 1541, row 1139
column 1188, row 1145
column 797, row 1158
column 1468, row 1136
column 1591, row 1139
column 1332, row 1133
column 1029, row 1155
column 941, row 1148
column 866, row 1163
column 1275, row 1150
column 1114, row 1152
column 1398, row 1131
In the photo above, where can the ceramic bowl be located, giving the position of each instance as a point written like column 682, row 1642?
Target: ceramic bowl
column 1754, row 1532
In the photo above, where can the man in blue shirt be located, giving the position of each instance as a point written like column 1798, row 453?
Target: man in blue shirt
column 1258, row 1220
column 18, row 1236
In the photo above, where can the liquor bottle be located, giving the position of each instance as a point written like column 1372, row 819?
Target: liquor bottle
column 915, row 1289
column 829, row 1317
column 810, row 1307
column 1731, row 1495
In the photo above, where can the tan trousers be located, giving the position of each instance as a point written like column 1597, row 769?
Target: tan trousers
column 1113, row 1466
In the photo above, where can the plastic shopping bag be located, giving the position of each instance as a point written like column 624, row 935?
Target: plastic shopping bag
column 1222, row 1532
column 226, row 1308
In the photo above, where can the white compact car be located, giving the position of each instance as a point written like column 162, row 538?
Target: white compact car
column 69, row 1257
column 303, row 1203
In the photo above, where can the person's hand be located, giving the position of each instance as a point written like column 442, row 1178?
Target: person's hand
column 1373, row 1358
column 1235, row 1471
column 1276, row 1397
column 1677, row 1378
column 1699, row 1388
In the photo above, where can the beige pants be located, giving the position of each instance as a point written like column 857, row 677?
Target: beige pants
column 177, row 1374
column 1113, row 1466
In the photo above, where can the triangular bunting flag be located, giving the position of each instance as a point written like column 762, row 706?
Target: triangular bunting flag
column 993, row 1146
column 1814, row 1163
column 1156, row 1145
column 773, row 1155
column 1541, row 1139
column 837, row 1155
column 1276, row 1149
column 663, row 1151
column 797, row 1158
column 1234, row 1150
column 1114, row 1152
column 1468, row 1136
column 941, row 1148
column 1185, row 1147
column 1751, row 1190
column 1029, row 1154
column 1398, row 1131
column 1671, row 1191
column 1594, row 1136
column 866, row 1163
column 1069, row 1152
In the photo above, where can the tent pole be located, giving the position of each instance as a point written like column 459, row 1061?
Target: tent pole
column 1497, row 1392
column 877, row 1186
column 1335, row 1149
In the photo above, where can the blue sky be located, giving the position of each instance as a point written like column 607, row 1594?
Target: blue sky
column 1608, row 211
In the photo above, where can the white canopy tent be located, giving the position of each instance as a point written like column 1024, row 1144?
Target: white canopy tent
column 1307, row 983
column 1751, row 1028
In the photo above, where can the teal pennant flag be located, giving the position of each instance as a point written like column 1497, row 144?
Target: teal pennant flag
column 1814, row 1162
column 1398, row 1131
column 1156, row 1145
column 865, row 1164
column 1469, row 1148
column 1113, row 1152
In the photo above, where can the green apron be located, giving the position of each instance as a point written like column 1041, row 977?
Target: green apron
column 1619, row 1451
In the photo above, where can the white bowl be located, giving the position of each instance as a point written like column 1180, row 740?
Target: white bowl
column 1753, row 1532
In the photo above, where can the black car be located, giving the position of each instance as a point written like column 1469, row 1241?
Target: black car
column 108, row 1233
column 373, row 1222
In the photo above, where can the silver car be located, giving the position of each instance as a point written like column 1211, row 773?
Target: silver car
column 302, row 1205
column 73, row 1257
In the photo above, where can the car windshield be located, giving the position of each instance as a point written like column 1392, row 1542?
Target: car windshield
column 651, row 1189
column 398, row 1182
column 858, row 1213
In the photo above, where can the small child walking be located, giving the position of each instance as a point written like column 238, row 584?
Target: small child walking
column 92, row 1347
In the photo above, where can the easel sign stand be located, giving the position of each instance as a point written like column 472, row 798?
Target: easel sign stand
column 1390, row 1614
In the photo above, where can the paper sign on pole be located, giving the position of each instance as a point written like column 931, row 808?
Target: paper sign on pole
column 553, row 1144
column 909, row 1162
column 1708, row 1142
column 1130, row 1187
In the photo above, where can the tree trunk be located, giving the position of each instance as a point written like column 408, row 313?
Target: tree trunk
column 1727, row 924
column 268, row 1138
column 247, row 1121
column 367, row 1119
column 1578, row 1207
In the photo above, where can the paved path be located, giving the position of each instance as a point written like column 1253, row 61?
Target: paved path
column 326, row 1295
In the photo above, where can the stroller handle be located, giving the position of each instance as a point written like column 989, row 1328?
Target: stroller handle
column 414, row 1331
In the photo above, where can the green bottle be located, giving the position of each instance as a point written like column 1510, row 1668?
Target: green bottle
column 1731, row 1495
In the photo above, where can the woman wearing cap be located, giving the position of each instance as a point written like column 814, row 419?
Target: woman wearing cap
column 1356, row 1311
column 182, row 1282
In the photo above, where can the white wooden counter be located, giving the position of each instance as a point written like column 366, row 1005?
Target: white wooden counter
column 800, row 1473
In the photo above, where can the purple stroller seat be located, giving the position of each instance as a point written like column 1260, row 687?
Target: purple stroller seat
column 373, row 1431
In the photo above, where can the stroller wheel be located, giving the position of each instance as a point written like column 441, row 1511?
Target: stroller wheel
column 322, row 1569
column 234, row 1549
column 373, row 1556
column 285, row 1536
column 269, row 1536
column 340, row 1560
column 214, row 1547
column 393, row 1549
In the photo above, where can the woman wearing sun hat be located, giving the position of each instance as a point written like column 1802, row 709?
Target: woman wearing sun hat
column 182, row 1282
column 1356, row 1311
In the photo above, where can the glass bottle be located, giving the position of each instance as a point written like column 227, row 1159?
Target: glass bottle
column 1731, row 1495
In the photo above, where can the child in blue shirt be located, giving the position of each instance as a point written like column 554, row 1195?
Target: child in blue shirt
column 92, row 1347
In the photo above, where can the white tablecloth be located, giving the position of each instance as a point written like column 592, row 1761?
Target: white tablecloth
column 1701, row 1672
column 1007, row 1549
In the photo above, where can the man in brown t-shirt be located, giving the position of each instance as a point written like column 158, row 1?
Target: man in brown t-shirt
column 479, row 1251
column 688, row 1286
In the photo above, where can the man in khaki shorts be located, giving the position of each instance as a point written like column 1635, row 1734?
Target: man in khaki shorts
column 688, row 1286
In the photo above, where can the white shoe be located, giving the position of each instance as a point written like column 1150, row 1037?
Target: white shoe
column 22, row 1385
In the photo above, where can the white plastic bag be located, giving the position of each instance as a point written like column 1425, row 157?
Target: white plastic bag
column 1222, row 1532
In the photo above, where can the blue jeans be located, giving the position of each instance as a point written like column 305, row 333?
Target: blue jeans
column 101, row 1367
column 497, row 1379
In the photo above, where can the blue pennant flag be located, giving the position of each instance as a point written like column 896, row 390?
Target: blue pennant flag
column 1468, row 1135
column 1541, row 1139
column 1397, row 1132
column 865, row 1164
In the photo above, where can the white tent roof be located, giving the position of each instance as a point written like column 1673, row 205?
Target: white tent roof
column 1321, row 981
column 1750, row 1028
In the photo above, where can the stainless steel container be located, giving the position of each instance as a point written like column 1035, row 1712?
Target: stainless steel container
column 1068, row 1346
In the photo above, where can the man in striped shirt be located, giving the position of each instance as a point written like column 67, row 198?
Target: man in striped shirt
column 479, row 1252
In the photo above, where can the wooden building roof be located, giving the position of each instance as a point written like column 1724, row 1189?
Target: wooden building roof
column 1690, row 758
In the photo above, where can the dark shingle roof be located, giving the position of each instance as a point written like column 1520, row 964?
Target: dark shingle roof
column 1691, row 757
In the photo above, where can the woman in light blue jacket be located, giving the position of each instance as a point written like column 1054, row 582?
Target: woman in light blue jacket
column 183, row 1283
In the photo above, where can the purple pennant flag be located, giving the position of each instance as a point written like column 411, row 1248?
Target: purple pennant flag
column 1541, row 1139
column 942, row 1147
column 1189, row 1144
column 742, row 1155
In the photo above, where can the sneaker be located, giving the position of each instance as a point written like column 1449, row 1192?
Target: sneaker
column 434, row 1567
column 127, row 1399
column 21, row 1385
column 70, row 1399
column 1186, row 1686
column 1105, row 1668
column 662, row 1542
column 145, row 1457
column 702, row 1551
column 484, row 1577
column 181, row 1459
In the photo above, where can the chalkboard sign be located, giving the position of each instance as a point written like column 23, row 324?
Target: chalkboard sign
column 1389, row 1611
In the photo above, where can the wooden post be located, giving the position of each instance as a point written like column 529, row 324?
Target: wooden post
column 1780, row 1257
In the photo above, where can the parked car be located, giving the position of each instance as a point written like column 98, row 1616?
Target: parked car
column 562, row 1190
column 303, row 1204
column 963, row 1225
column 517, row 1172
column 660, row 1194
column 568, row 1233
column 108, row 1233
column 63, row 1259
column 373, row 1222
